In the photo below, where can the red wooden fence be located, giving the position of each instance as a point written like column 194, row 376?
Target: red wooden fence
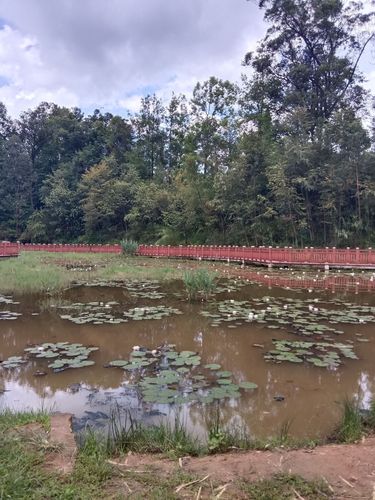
column 65, row 248
column 332, row 257
column 9, row 249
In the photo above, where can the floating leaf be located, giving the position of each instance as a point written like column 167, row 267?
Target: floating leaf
column 247, row 385
column 212, row 366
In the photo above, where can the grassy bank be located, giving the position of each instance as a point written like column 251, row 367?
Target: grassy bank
column 23, row 474
column 43, row 271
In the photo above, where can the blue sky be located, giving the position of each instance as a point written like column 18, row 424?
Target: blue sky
column 106, row 54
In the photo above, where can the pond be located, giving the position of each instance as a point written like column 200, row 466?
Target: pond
column 264, row 356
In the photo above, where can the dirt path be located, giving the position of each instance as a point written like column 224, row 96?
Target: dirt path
column 349, row 470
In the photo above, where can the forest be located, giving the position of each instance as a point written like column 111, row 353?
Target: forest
column 283, row 157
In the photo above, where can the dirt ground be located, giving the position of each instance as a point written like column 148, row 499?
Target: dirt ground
column 348, row 470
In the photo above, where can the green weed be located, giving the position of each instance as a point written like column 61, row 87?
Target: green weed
column 199, row 283
column 129, row 247
column 286, row 486
column 351, row 427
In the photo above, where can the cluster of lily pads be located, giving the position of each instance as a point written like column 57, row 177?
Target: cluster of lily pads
column 63, row 354
column 12, row 362
column 99, row 313
column 230, row 286
column 166, row 376
column 146, row 289
column 321, row 354
column 299, row 316
column 96, row 313
column 9, row 315
column 6, row 299
column 150, row 312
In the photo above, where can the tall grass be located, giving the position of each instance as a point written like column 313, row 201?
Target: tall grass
column 129, row 247
column 126, row 434
column 351, row 427
column 199, row 283
column 46, row 272
column 29, row 273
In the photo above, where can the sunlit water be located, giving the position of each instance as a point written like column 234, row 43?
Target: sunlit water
column 310, row 395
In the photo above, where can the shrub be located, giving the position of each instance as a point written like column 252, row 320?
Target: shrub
column 129, row 247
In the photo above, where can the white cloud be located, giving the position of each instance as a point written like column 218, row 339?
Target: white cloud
column 108, row 53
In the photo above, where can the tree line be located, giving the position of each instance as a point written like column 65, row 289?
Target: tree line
column 285, row 156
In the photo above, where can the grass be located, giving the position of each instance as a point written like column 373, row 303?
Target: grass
column 355, row 422
column 51, row 272
column 286, row 486
column 10, row 419
column 23, row 475
column 95, row 475
column 199, row 283
column 174, row 440
column 351, row 427
column 126, row 435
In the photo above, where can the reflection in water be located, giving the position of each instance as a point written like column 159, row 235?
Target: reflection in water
column 91, row 394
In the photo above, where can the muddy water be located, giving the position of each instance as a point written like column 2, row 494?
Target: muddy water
column 311, row 394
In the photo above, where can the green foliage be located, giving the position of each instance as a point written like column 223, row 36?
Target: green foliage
column 281, row 158
column 125, row 435
column 286, row 486
column 351, row 427
column 129, row 247
column 10, row 419
column 199, row 284
column 370, row 420
column 22, row 471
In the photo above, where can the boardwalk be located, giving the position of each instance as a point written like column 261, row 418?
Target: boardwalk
column 267, row 256
column 9, row 249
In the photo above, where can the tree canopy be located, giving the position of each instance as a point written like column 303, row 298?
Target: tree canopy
column 285, row 156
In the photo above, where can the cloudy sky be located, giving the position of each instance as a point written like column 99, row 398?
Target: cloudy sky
column 107, row 53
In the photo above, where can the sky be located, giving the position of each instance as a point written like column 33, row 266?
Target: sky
column 107, row 54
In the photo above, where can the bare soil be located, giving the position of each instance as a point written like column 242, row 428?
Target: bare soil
column 349, row 470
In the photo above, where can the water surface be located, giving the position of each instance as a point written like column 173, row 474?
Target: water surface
column 310, row 395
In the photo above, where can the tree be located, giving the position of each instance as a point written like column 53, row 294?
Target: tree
column 15, row 187
column 213, row 116
column 310, row 54
column 150, row 138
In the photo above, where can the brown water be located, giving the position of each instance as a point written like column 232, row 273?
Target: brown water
column 311, row 394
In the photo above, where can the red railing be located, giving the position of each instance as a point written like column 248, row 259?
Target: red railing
column 9, row 249
column 73, row 248
column 332, row 257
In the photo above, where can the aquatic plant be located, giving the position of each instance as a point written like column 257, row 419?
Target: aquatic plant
column 150, row 312
column 12, row 362
column 298, row 316
column 63, row 354
column 9, row 315
column 320, row 354
column 166, row 376
column 199, row 283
